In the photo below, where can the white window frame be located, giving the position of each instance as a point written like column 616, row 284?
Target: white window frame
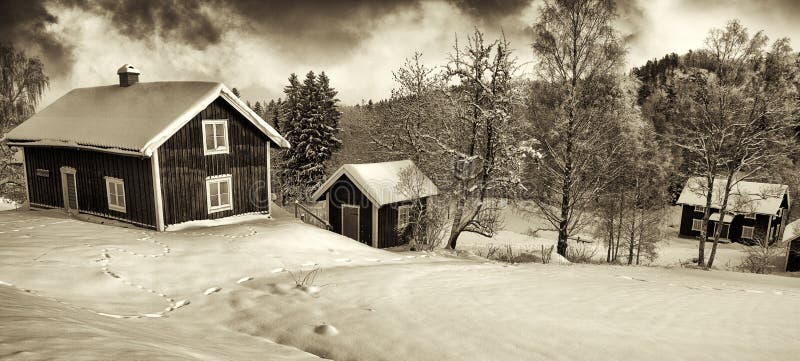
column 750, row 215
column 215, row 181
column 217, row 149
column 697, row 225
column 700, row 209
column 117, row 183
column 750, row 229
column 403, row 216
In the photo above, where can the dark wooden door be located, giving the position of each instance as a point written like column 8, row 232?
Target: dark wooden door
column 350, row 221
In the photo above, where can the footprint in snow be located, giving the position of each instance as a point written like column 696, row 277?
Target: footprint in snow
column 779, row 293
column 753, row 291
column 397, row 259
column 244, row 279
column 278, row 270
column 326, row 330
column 211, row 290
column 309, row 264
column 372, row 259
column 342, row 260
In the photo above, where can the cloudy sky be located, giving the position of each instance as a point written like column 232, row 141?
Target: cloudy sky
column 254, row 45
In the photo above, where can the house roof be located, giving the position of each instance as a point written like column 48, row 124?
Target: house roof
column 745, row 197
column 134, row 119
column 380, row 182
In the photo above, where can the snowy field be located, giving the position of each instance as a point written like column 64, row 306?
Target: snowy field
column 672, row 250
column 77, row 290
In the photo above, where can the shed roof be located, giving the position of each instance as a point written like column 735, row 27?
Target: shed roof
column 745, row 197
column 133, row 119
column 380, row 182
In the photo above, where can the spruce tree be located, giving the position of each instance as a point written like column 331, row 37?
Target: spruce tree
column 330, row 113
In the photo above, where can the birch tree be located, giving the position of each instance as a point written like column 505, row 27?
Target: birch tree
column 739, row 120
column 579, row 56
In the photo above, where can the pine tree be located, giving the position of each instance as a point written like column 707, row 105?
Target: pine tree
column 236, row 92
column 310, row 123
column 330, row 113
column 258, row 109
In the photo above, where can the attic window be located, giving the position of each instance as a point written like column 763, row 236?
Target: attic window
column 215, row 136
column 750, row 216
column 699, row 209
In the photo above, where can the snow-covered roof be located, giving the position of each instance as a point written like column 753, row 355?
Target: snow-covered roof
column 133, row 119
column 715, row 217
column 380, row 182
column 745, row 197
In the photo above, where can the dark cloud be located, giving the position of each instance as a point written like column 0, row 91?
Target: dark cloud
column 490, row 10
column 295, row 29
column 24, row 24
column 305, row 28
column 179, row 20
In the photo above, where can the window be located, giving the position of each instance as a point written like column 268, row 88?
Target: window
column 750, row 216
column 219, row 195
column 403, row 216
column 215, row 137
column 725, row 228
column 697, row 225
column 747, row 232
column 699, row 209
column 115, row 193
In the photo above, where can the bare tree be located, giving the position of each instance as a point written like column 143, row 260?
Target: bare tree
column 22, row 84
column 737, row 121
column 460, row 120
column 426, row 221
column 579, row 56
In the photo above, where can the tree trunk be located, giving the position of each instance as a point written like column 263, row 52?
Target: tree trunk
column 619, row 225
column 455, row 230
column 718, row 230
column 701, row 249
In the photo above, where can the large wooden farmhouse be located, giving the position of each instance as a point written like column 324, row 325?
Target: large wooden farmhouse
column 151, row 154
column 754, row 211
column 365, row 201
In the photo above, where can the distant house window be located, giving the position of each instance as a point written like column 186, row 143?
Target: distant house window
column 700, row 209
column 697, row 224
column 115, row 193
column 215, row 137
column 750, row 216
column 219, row 194
column 403, row 216
column 747, row 232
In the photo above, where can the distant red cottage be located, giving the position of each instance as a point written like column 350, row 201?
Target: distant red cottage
column 150, row 154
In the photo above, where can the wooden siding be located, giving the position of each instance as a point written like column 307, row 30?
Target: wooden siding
column 793, row 258
column 91, row 168
column 387, row 226
column 735, row 233
column 184, row 167
column 343, row 191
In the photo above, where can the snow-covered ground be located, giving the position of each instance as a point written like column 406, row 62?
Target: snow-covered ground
column 672, row 250
column 72, row 289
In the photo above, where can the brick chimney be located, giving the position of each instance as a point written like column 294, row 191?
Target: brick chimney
column 128, row 75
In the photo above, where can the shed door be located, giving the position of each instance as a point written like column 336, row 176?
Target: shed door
column 350, row 221
column 69, row 189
